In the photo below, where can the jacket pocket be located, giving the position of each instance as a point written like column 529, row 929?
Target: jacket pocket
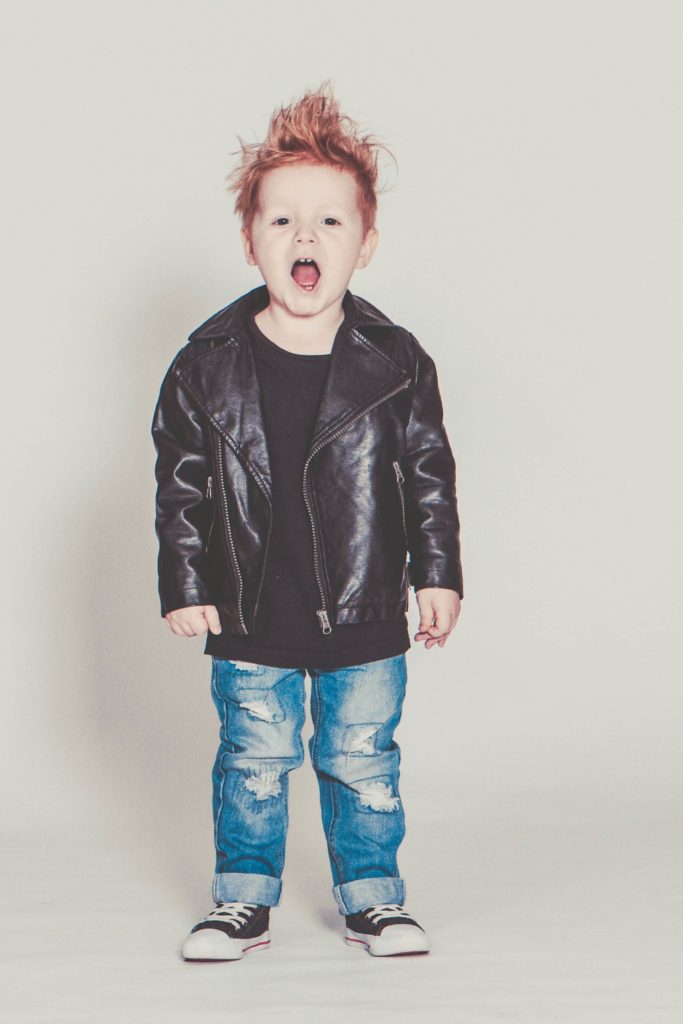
column 232, row 551
column 209, row 497
column 399, row 484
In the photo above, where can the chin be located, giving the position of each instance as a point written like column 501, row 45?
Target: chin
column 304, row 300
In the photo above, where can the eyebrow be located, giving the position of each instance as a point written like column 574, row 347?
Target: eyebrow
column 332, row 205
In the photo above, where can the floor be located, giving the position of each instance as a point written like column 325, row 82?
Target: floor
column 538, row 911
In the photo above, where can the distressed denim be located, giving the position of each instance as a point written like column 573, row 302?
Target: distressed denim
column 356, row 760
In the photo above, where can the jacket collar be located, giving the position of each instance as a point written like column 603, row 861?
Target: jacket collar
column 223, row 378
column 358, row 313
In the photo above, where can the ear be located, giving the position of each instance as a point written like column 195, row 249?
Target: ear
column 248, row 249
column 367, row 249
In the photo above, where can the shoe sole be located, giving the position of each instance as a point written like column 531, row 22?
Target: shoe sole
column 230, row 949
column 401, row 943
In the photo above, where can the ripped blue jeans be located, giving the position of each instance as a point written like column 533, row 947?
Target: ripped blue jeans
column 356, row 760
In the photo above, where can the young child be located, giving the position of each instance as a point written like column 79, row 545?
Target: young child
column 301, row 456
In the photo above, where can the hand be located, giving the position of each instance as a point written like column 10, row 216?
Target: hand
column 439, row 611
column 195, row 620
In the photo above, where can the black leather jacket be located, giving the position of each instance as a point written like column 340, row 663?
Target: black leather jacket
column 378, row 482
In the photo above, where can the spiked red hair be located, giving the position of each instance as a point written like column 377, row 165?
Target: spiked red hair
column 311, row 130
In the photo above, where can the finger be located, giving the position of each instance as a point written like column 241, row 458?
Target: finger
column 439, row 628
column 445, row 621
column 440, row 640
column 213, row 620
column 184, row 629
column 426, row 621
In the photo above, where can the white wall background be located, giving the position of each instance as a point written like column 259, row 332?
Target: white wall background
column 531, row 240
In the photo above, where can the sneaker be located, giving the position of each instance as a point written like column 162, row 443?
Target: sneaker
column 386, row 930
column 228, row 932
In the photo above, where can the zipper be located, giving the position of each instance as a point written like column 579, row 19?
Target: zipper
column 322, row 613
column 231, row 542
column 399, row 482
column 209, row 492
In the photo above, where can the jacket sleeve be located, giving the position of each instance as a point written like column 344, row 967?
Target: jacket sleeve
column 431, row 505
column 182, row 509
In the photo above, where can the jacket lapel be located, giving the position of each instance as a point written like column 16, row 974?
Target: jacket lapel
column 224, row 382
column 358, row 374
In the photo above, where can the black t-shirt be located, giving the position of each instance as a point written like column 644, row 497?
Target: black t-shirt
column 288, row 633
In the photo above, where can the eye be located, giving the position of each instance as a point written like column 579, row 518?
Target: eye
column 279, row 220
column 334, row 219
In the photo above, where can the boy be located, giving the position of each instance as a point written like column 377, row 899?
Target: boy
column 301, row 455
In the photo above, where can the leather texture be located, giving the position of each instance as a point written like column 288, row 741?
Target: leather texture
column 379, row 478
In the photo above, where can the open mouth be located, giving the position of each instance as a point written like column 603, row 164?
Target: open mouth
column 306, row 274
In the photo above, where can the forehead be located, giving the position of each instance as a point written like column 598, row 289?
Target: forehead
column 308, row 184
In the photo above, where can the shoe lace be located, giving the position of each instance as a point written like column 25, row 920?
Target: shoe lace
column 382, row 910
column 239, row 913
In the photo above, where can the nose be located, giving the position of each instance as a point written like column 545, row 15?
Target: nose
column 305, row 233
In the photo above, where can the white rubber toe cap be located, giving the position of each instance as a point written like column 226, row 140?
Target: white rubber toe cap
column 393, row 940
column 214, row 944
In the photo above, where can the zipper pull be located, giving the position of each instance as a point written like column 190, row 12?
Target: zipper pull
column 209, row 483
column 324, row 621
column 399, row 474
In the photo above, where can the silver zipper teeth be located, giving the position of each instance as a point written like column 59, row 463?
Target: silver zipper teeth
column 322, row 612
column 230, row 538
column 399, row 481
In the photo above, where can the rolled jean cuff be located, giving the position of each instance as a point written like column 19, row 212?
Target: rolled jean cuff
column 244, row 887
column 368, row 892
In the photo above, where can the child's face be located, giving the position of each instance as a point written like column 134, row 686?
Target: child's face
column 308, row 210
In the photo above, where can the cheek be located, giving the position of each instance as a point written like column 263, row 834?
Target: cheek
column 268, row 257
column 345, row 255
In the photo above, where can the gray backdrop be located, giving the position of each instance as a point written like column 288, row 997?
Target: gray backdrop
column 532, row 241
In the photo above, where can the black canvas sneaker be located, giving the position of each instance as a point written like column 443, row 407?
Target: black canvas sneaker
column 228, row 932
column 386, row 929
